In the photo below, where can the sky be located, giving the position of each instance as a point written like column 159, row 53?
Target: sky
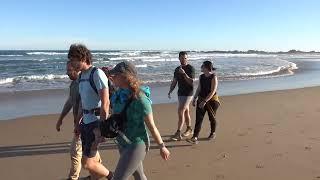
column 270, row 25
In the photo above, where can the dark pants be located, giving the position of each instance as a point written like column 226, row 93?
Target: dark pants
column 210, row 107
column 87, row 139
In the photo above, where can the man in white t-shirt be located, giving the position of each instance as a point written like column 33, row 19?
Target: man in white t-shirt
column 94, row 93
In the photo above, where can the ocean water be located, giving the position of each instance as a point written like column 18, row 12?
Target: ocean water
column 38, row 70
column 34, row 82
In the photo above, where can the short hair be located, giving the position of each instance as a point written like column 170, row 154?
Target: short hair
column 182, row 53
column 81, row 52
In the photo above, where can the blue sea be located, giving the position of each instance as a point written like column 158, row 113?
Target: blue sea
column 37, row 70
column 36, row 80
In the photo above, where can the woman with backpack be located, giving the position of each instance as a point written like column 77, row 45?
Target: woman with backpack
column 206, row 99
column 139, row 117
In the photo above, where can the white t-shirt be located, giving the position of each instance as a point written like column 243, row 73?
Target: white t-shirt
column 89, row 98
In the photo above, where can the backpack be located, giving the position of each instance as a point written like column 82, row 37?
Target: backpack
column 93, row 86
column 116, row 124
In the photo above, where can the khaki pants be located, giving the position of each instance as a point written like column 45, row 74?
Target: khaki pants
column 76, row 155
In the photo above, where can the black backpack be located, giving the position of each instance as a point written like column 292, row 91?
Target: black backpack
column 115, row 124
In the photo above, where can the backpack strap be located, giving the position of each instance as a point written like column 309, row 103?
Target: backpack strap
column 91, row 80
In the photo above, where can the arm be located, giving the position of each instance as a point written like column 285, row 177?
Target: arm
column 188, row 79
column 196, row 94
column 77, row 118
column 172, row 86
column 101, row 82
column 214, row 85
column 156, row 135
column 105, row 103
column 66, row 108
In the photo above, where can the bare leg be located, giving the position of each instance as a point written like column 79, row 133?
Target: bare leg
column 96, row 169
column 181, row 116
column 187, row 116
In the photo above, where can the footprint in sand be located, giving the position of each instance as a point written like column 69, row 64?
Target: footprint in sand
column 278, row 155
column 259, row 166
column 219, row 176
column 222, row 156
column 308, row 148
column 243, row 133
column 154, row 171
column 270, row 124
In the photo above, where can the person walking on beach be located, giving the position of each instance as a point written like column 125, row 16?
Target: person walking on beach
column 73, row 102
column 139, row 118
column 184, row 76
column 207, row 100
column 94, row 104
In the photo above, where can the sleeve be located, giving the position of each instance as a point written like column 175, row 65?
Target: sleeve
column 100, row 79
column 145, row 106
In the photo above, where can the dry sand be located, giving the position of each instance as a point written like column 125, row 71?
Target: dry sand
column 261, row 136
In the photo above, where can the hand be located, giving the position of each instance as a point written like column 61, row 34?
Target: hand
column 169, row 95
column 76, row 130
column 181, row 71
column 202, row 104
column 165, row 153
column 58, row 125
column 194, row 101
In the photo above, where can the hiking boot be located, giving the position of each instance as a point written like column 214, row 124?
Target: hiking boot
column 212, row 136
column 193, row 140
column 176, row 137
column 187, row 133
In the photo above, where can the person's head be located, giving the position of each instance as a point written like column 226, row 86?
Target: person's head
column 183, row 57
column 124, row 75
column 207, row 66
column 71, row 71
column 80, row 54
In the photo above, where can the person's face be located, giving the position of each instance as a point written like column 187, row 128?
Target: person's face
column 183, row 59
column 118, row 80
column 71, row 72
column 204, row 70
column 76, row 63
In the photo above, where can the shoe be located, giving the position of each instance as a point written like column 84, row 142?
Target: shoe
column 176, row 137
column 193, row 140
column 187, row 133
column 212, row 136
column 85, row 178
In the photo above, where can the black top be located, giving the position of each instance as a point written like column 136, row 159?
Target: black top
column 205, row 83
column 184, row 88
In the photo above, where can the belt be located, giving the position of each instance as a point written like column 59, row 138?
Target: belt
column 95, row 111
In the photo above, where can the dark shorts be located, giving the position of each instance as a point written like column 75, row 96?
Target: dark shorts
column 87, row 138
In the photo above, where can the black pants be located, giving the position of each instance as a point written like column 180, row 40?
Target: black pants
column 211, row 107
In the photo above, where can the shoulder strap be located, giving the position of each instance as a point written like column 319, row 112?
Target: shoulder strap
column 91, row 80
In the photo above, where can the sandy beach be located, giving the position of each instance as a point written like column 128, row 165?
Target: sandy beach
column 260, row 136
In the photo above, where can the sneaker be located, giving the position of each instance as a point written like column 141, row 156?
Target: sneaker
column 187, row 133
column 193, row 140
column 212, row 136
column 176, row 137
